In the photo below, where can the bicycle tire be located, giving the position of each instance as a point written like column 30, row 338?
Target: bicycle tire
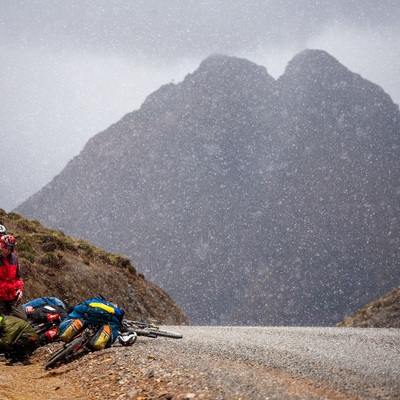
column 168, row 334
column 147, row 333
column 63, row 353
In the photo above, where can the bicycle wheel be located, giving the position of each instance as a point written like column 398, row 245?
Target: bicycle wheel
column 145, row 332
column 172, row 335
column 63, row 354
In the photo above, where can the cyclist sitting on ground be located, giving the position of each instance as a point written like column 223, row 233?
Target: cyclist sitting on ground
column 18, row 340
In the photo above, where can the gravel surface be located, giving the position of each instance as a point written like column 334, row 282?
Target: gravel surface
column 227, row 363
column 365, row 362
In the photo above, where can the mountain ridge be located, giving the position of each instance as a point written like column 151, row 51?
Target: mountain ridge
column 249, row 200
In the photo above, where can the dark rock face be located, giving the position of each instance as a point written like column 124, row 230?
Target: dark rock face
column 249, row 200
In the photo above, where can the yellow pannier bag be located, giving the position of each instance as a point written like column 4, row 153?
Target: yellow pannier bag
column 101, row 339
column 69, row 329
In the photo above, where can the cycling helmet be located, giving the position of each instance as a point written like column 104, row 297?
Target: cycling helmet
column 127, row 340
column 7, row 240
column 3, row 230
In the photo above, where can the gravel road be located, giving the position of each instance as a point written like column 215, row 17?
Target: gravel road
column 223, row 363
column 254, row 362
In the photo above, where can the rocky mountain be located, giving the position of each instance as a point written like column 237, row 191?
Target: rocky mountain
column 54, row 264
column 249, row 200
column 381, row 313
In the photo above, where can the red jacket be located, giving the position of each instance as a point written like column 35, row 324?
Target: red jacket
column 10, row 280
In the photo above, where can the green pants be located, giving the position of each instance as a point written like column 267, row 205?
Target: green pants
column 17, row 337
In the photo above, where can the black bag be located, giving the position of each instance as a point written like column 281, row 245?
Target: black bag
column 48, row 313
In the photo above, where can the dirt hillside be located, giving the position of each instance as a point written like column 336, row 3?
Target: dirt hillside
column 54, row 264
column 381, row 313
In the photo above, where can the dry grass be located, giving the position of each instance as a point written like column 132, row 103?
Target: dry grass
column 54, row 264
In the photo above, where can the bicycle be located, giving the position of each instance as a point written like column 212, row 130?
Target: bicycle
column 77, row 347
column 46, row 327
column 47, row 331
column 146, row 329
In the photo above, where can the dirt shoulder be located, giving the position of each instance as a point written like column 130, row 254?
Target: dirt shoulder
column 150, row 369
column 32, row 382
column 138, row 372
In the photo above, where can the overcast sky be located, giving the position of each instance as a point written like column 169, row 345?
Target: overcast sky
column 69, row 69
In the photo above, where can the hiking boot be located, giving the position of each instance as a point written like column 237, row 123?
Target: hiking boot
column 19, row 362
column 13, row 363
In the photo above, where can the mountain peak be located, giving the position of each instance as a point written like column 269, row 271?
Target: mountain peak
column 315, row 58
column 315, row 63
column 229, row 68
column 220, row 61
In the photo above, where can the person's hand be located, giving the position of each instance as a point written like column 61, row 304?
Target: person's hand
column 19, row 295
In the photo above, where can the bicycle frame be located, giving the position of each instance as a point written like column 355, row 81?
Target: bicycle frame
column 71, row 349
